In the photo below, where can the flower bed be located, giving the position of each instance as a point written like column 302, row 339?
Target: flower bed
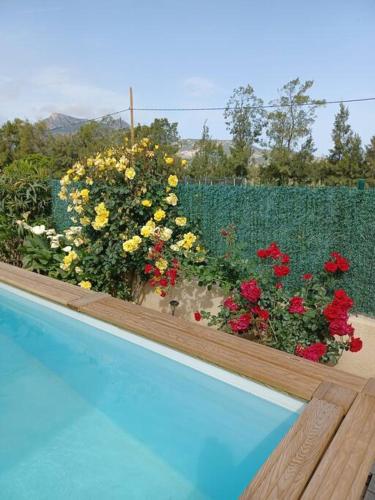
column 313, row 322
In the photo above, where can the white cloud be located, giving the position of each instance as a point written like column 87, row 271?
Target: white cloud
column 54, row 89
column 197, row 86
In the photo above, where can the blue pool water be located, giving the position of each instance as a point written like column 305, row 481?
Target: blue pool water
column 87, row 415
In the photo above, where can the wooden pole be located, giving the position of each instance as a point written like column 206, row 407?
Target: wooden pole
column 131, row 107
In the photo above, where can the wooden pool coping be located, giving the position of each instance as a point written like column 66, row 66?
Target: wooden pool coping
column 329, row 451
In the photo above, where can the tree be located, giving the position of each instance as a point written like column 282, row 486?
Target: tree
column 342, row 135
column 345, row 161
column 291, row 123
column 290, row 159
column 161, row 131
column 19, row 138
column 210, row 159
column 245, row 119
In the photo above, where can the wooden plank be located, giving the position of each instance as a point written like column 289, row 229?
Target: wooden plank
column 91, row 298
column 43, row 286
column 369, row 388
column 286, row 472
column 343, row 470
column 336, row 394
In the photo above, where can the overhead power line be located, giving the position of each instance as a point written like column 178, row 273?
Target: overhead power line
column 263, row 106
column 221, row 108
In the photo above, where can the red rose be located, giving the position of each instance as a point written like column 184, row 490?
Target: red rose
column 313, row 352
column 158, row 247
column 330, row 267
column 281, row 271
column 163, row 293
column 296, row 305
column 250, row 290
column 355, row 344
column 285, row 259
column 230, row 304
column 262, row 313
column 307, row 276
column 197, row 316
column 175, row 263
column 334, row 311
column 279, row 285
column 172, row 275
column 148, row 268
column 342, row 264
column 341, row 298
column 240, row 324
column 262, row 253
column 163, row 282
column 274, row 251
column 340, row 327
column 157, row 272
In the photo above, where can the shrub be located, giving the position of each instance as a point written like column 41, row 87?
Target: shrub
column 127, row 227
column 311, row 322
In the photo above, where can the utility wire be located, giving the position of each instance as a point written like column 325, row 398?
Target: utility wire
column 265, row 106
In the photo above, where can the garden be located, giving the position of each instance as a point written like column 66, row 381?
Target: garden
column 128, row 224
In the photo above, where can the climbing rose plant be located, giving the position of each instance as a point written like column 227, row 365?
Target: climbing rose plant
column 313, row 322
column 127, row 227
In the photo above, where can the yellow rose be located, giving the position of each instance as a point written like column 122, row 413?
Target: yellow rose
column 188, row 240
column 169, row 160
column 183, row 163
column 130, row 173
column 85, row 284
column 172, row 199
column 162, row 265
column 101, row 209
column 180, row 221
column 85, row 221
column 131, row 245
column 147, row 230
column 146, row 203
column 173, row 180
column 165, row 234
column 85, row 193
column 159, row 215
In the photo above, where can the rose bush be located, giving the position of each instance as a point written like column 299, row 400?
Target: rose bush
column 127, row 227
column 312, row 322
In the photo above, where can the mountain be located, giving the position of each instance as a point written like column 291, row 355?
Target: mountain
column 189, row 147
column 58, row 123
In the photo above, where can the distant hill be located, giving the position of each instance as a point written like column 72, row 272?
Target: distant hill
column 189, row 147
column 58, row 123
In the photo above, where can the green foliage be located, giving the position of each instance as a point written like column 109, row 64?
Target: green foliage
column 210, row 160
column 38, row 256
column 24, row 194
column 245, row 120
column 161, row 132
column 291, row 122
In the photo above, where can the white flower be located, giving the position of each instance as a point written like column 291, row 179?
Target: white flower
column 38, row 230
column 67, row 249
column 78, row 270
column 55, row 244
column 50, row 232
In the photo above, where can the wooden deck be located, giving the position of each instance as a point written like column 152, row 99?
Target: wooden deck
column 330, row 449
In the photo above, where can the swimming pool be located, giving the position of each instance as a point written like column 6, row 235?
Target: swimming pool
column 89, row 411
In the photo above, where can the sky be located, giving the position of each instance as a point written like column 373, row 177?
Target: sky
column 79, row 57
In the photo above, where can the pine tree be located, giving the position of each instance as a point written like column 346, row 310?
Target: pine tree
column 342, row 135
